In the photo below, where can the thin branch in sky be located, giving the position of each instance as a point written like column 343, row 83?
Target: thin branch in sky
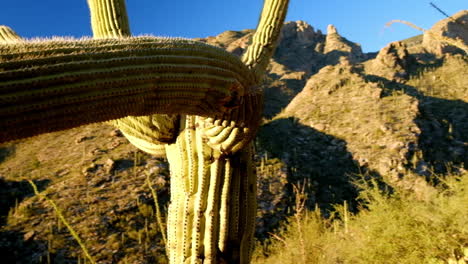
column 440, row 10
column 445, row 14
column 406, row 23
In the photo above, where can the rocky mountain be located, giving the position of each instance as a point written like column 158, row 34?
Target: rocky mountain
column 382, row 107
column 331, row 112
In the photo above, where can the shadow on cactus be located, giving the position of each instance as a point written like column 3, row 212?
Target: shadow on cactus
column 196, row 103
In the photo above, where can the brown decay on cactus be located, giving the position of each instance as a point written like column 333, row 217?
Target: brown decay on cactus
column 196, row 103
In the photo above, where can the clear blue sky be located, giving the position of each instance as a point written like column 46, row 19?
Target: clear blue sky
column 360, row 21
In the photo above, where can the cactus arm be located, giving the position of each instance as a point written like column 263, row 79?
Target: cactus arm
column 149, row 133
column 109, row 18
column 7, row 35
column 235, row 129
column 55, row 85
column 232, row 137
column 266, row 36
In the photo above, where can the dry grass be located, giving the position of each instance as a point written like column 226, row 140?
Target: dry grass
column 396, row 227
column 113, row 212
column 59, row 214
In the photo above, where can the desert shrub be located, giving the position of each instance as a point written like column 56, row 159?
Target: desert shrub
column 396, row 227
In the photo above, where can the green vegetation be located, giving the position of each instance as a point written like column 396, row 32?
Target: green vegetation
column 398, row 226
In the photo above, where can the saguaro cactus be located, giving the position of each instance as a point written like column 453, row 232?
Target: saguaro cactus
column 199, row 102
column 7, row 35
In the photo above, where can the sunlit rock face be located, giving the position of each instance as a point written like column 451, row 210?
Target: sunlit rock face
column 338, row 46
column 392, row 62
column 455, row 28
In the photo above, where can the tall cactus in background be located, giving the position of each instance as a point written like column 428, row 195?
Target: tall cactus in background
column 197, row 103
column 7, row 35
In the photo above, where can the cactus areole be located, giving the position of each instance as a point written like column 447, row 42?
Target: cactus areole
column 195, row 103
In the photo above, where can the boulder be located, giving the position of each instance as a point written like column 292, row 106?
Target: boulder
column 392, row 62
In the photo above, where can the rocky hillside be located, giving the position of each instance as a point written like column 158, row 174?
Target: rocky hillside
column 400, row 112
column 331, row 112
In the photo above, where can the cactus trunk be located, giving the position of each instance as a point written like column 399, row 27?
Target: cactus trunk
column 213, row 200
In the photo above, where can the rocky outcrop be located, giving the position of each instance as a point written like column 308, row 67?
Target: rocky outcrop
column 337, row 46
column 392, row 62
column 297, row 47
column 454, row 28
column 299, row 33
column 295, row 60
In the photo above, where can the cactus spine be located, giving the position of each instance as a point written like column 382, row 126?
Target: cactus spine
column 198, row 100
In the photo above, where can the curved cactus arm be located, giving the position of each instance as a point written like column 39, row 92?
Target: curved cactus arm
column 149, row 133
column 47, row 86
column 234, row 130
column 266, row 36
column 109, row 18
column 7, row 35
